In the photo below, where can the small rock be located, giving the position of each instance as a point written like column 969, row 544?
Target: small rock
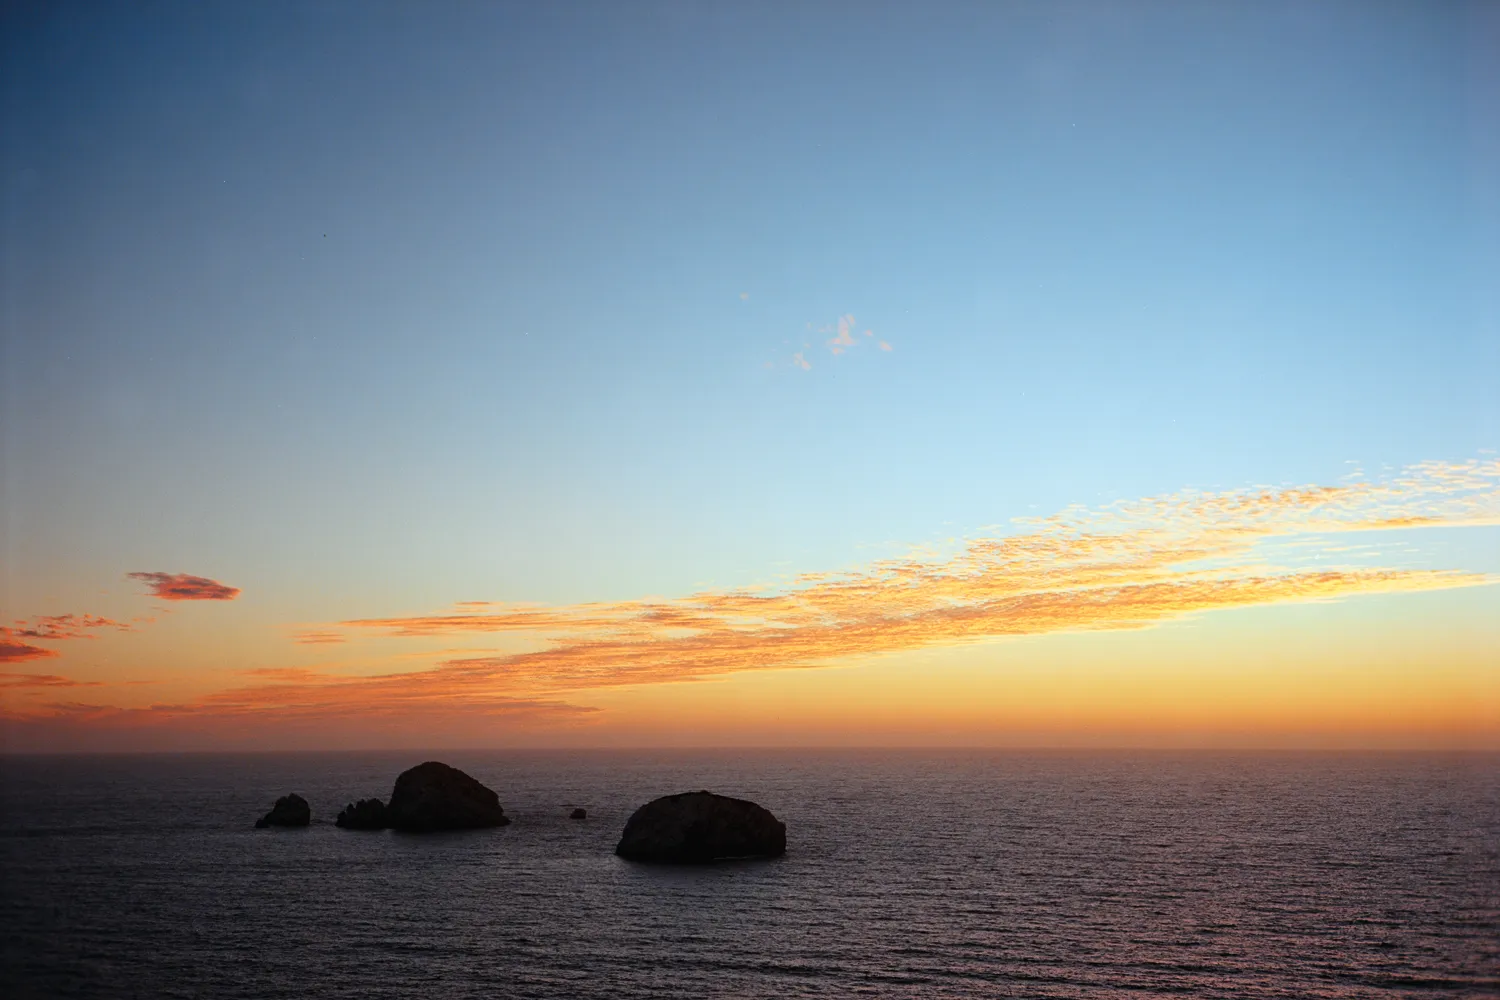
column 579, row 813
column 289, row 810
column 366, row 814
column 699, row 827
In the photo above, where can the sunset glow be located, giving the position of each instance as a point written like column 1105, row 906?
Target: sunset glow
column 536, row 378
column 890, row 634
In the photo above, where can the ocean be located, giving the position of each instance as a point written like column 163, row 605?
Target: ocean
column 951, row 873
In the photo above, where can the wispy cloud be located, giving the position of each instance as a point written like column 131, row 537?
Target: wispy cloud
column 182, row 587
column 446, row 689
column 844, row 338
column 843, row 335
column 69, row 626
column 16, row 639
column 314, row 717
column 844, row 331
column 421, row 700
column 1124, row 566
column 307, row 705
column 13, row 650
column 319, row 638
column 8, row 680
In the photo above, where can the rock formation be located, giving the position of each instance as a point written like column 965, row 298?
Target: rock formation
column 366, row 814
column 434, row 796
column 699, row 827
column 579, row 813
column 289, row 810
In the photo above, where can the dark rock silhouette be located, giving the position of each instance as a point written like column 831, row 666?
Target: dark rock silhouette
column 366, row 814
column 699, row 827
column 289, row 810
column 579, row 813
column 434, row 796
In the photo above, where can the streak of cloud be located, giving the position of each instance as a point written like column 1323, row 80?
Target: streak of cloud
column 13, row 650
column 417, row 699
column 183, row 587
column 16, row 639
column 9, row 680
column 1128, row 565
column 68, row 626
column 308, row 716
column 319, row 638
column 1124, row 566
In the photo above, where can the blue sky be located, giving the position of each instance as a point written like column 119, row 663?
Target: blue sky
column 380, row 306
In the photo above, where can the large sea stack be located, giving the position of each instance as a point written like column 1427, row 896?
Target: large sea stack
column 434, row 796
column 289, row 810
column 699, row 827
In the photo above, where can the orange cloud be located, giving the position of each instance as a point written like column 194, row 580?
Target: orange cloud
column 318, row 638
column 48, row 627
column 67, row 626
column 301, row 704
column 41, row 681
column 12, row 650
column 255, row 716
column 1125, row 566
column 182, row 587
column 449, row 689
column 632, row 654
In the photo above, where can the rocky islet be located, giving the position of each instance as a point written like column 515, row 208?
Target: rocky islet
column 289, row 810
column 433, row 796
column 701, row 827
column 366, row 814
column 687, row 828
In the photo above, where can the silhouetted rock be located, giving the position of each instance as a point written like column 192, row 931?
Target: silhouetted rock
column 289, row 810
column 366, row 814
column 579, row 814
column 698, row 827
column 434, row 796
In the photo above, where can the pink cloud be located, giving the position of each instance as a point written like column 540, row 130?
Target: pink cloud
column 182, row 587
column 8, row 680
column 12, row 650
column 843, row 339
column 69, row 626
column 318, row 638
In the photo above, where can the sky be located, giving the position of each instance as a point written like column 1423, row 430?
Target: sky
column 587, row 374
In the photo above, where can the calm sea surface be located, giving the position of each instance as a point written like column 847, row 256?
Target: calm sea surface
column 952, row 873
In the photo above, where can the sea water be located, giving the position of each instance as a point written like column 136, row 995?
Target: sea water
column 907, row 874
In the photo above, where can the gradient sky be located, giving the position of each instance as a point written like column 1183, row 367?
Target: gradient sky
column 615, row 315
